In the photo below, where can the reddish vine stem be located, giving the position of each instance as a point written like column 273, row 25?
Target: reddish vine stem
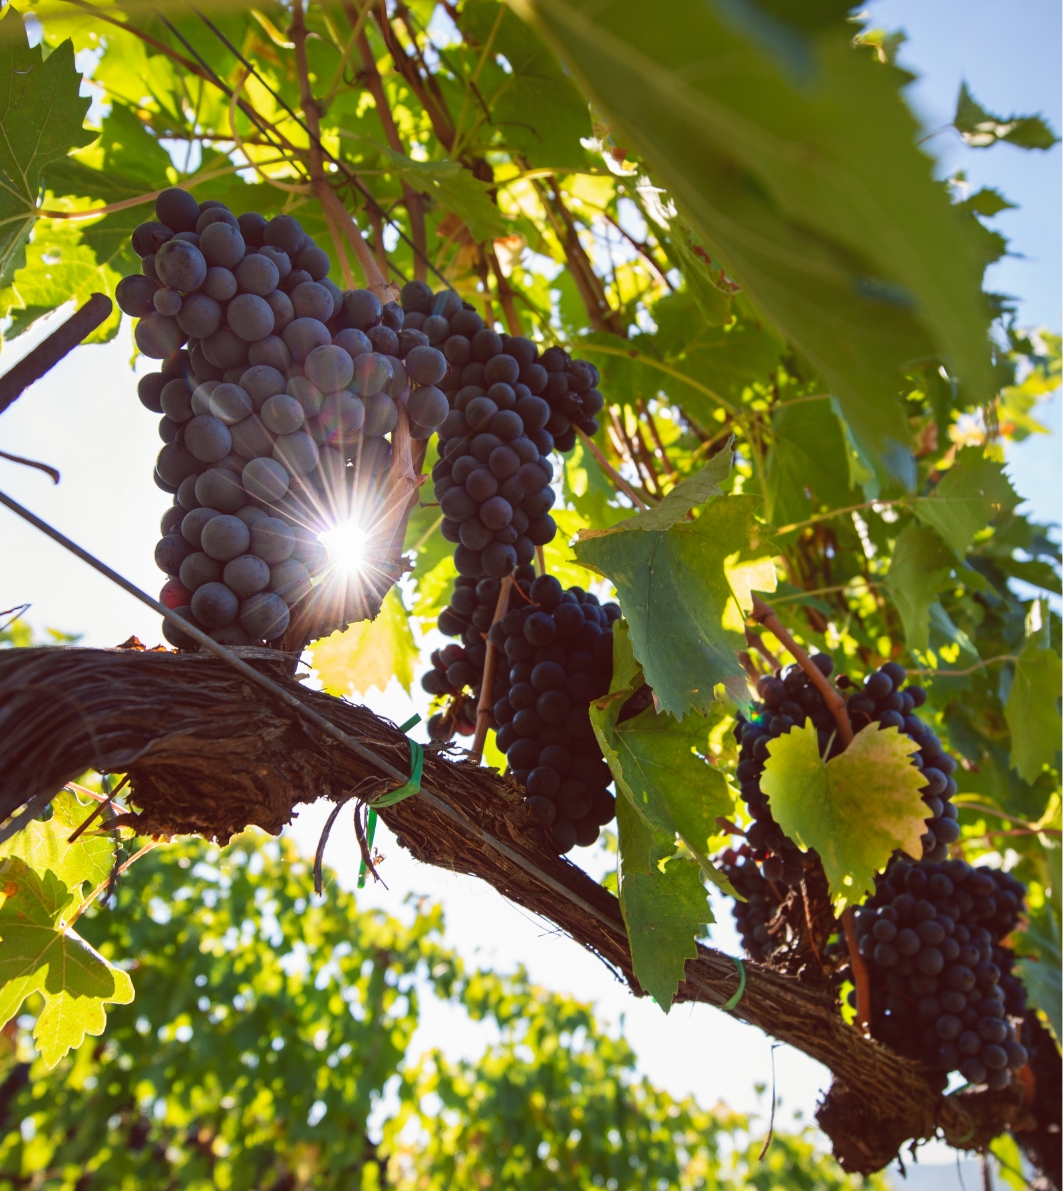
column 412, row 198
column 861, row 981
column 763, row 614
column 618, row 480
column 483, row 708
column 755, row 641
column 505, row 294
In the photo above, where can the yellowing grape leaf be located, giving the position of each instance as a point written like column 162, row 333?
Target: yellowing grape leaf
column 368, row 654
column 38, row 955
column 1032, row 710
column 855, row 809
column 664, row 908
column 659, row 764
column 971, row 493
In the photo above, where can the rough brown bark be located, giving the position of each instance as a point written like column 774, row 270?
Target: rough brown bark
column 209, row 754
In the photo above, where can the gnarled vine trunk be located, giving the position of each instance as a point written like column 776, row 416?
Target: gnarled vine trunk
column 208, row 753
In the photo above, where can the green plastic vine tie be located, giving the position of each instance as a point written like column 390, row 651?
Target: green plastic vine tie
column 732, row 1002
column 413, row 786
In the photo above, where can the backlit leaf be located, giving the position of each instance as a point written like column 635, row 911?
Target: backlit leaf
column 43, row 845
column 38, row 955
column 368, row 654
column 854, row 810
column 41, row 114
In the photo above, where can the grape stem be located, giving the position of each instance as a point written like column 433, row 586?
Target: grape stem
column 859, row 970
column 728, row 826
column 618, row 480
column 755, row 641
column 765, row 615
column 483, row 708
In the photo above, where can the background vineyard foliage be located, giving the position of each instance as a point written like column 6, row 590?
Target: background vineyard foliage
column 270, row 1026
column 767, row 257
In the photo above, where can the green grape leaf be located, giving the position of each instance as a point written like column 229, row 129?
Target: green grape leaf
column 43, row 846
column 980, row 129
column 67, row 261
column 38, row 955
column 807, row 468
column 697, row 364
column 124, row 162
column 1032, row 710
column 456, row 189
column 793, row 156
column 854, row 809
column 919, row 569
column 664, row 908
column 533, row 103
column 659, row 762
column 679, row 598
column 368, row 654
column 41, row 113
column 687, row 494
column 970, row 494
column 1040, row 966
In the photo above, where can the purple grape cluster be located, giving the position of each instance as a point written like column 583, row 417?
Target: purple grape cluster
column 559, row 646
column 942, row 989
column 506, row 417
column 277, row 392
column 752, row 915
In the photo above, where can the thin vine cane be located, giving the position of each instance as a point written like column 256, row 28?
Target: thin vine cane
column 764, row 614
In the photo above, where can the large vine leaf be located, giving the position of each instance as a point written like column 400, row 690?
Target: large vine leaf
column 919, row 569
column 41, row 113
column 854, row 809
column 679, row 601
column 455, row 188
column 793, row 156
column 368, row 654
column 534, row 106
column 39, row 955
column 971, row 493
column 663, row 902
column 659, row 762
column 1032, row 710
